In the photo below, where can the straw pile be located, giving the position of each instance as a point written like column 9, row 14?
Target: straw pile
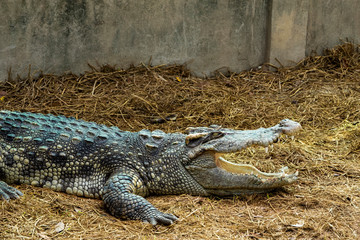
column 321, row 92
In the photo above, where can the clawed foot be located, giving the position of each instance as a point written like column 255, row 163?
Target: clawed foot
column 7, row 192
column 161, row 218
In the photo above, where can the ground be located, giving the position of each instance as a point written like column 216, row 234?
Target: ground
column 322, row 93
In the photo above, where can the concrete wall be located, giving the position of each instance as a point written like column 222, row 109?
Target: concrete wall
column 330, row 21
column 288, row 26
column 303, row 27
column 64, row 35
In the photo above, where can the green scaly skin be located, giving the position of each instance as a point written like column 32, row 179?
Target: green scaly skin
column 91, row 160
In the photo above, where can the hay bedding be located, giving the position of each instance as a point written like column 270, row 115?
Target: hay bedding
column 321, row 92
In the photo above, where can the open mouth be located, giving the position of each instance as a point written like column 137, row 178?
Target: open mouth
column 232, row 141
column 289, row 127
column 247, row 169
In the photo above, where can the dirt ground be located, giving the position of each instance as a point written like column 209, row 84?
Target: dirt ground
column 321, row 92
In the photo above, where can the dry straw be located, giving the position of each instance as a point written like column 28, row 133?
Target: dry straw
column 321, row 92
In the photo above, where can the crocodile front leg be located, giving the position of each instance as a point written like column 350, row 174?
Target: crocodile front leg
column 123, row 198
column 7, row 192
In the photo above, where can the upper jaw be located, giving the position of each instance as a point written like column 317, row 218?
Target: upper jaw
column 223, row 140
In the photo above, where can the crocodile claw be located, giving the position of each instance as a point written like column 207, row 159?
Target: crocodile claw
column 7, row 192
column 161, row 218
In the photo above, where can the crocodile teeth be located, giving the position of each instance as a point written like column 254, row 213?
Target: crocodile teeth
column 244, row 169
column 266, row 149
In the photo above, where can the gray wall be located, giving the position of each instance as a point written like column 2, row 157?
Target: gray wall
column 64, row 35
column 330, row 21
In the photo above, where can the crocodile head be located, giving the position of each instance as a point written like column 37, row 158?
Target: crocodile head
column 206, row 164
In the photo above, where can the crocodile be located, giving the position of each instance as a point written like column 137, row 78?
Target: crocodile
column 122, row 168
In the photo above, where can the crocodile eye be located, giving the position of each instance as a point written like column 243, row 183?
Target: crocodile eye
column 217, row 134
column 195, row 139
column 193, row 142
